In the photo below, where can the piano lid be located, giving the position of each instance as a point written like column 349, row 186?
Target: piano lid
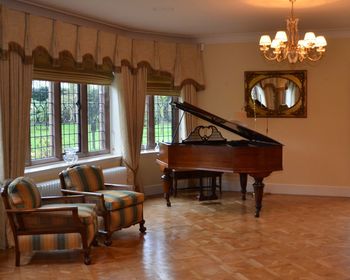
column 234, row 127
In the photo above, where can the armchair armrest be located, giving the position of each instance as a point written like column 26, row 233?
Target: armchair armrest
column 119, row 187
column 82, row 193
column 91, row 197
column 22, row 219
column 64, row 199
column 74, row 209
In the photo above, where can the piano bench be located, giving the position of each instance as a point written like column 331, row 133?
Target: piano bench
column 197, row 174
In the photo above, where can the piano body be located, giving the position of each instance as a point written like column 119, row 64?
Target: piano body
column 256, row 155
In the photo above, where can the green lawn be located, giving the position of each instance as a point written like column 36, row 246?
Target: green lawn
column 42, row 139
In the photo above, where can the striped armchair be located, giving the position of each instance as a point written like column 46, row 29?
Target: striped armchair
column 51, row 223
column 117, row 204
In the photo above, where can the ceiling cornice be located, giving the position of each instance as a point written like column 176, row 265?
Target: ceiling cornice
column 254, row 36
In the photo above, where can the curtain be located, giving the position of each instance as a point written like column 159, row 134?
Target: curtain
column 132, row 93
column 15, row 97
column 189, row 95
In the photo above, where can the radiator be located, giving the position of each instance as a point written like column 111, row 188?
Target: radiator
column 115, row 175
column 49, row 188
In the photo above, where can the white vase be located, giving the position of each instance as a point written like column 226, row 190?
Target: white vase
column 70, row 156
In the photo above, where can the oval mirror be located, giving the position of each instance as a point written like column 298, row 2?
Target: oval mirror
column 275, row 94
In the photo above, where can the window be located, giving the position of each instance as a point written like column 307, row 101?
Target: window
column 161, row 121
column 67, row 115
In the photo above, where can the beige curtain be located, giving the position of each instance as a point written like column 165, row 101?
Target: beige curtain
column 189, row 123
column 189, row 95
column 132, row 93
column 15, row 96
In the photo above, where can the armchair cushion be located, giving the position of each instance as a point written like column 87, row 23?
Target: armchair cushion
column 23, row 194
column 59, row 241
column 86, row 212
column 85, row 178
column 115, row 200
column 45, row 242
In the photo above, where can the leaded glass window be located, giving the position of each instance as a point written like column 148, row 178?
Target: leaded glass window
column 96, row 117
column 70, row 120
column 67, row 116
column 161, row 120
column 41, row 120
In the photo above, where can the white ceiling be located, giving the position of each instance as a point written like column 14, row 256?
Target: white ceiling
column 207, row 18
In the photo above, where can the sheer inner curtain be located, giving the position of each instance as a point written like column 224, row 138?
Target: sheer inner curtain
column 131, row 89
column 189, row 95
column 15, row 95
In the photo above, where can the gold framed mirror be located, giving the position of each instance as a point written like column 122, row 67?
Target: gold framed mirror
column 276, row 94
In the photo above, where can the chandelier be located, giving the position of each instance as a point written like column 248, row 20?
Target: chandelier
column 287, row 44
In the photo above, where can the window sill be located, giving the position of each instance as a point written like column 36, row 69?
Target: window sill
column 59, row 166
column 145, row 152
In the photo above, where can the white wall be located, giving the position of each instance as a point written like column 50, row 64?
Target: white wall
column 316, row 156
column 317, row 148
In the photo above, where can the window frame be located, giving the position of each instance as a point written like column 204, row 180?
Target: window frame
column 83, row 125
column 151, row 135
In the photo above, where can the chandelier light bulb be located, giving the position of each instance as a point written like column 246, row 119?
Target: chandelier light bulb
column 275, row 43
column 310, row 37
column 302, row 44
column 265, row 40
column 282, row 36
column 321, row 41
column 286, row 45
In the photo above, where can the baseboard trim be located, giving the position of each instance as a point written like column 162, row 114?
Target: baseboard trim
column 316, row 190
column 292, row 189
column 153, row 189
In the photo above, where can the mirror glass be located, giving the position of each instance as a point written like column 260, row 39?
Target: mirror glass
column 275, row 94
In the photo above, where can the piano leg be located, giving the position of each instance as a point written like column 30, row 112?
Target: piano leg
column 243, row 180
column 259, row 192
column 167, row 186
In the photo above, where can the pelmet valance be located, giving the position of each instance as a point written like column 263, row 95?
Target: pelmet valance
column 183, row 61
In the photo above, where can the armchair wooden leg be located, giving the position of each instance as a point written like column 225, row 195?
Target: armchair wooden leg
column 94, row 242
column 86, row 247
column 18, row 257
column 107, row 222
column 87, row 258
column 142, row 226
column 108, row 240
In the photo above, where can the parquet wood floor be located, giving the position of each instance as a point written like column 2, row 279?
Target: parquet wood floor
column 296, row 237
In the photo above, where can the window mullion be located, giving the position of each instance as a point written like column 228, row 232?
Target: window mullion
column 107, row 119
column 57, row 120
column 174, row 120
column 151, row 128
column 83, row 119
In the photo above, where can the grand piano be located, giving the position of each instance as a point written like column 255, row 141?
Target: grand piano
column 255, row 154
